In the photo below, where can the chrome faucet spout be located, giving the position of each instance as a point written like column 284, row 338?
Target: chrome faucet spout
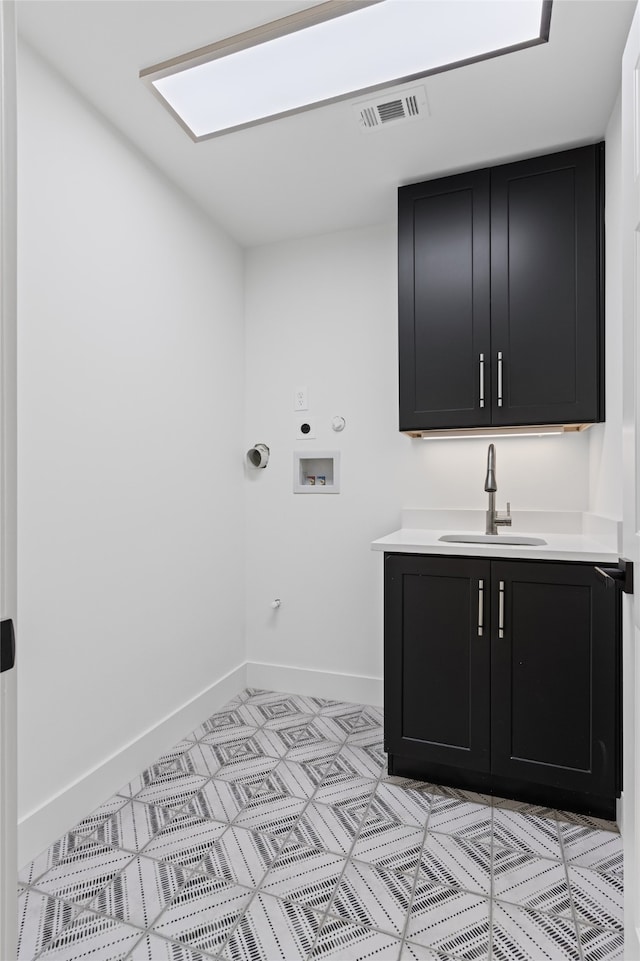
column 494, row 518
column 490, row 484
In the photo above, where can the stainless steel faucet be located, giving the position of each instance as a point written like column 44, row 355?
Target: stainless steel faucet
column 494, row 518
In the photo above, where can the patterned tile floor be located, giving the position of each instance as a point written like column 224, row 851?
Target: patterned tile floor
column 273, row 832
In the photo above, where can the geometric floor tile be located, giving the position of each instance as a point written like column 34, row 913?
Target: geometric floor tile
column 62, row 848
column 274, row 830
column 240, row 856
column 40, row 919
column 341, row 941
column 588, row 848
column 327, row 828
column 266, row 742
column 324, row 728
column 174, row 793
column 345, row 789
column 456, row 863
column 271, row 813
column 532, row 936
column 600, row 945
column 350, row 721
column 417, row 952
column 315, row 751
column 375, row 750
column 153, row 948
column 587, row 821
column 291, row 727
column 84, row 873
column 167, row 770
column 186, row 840
column 449, row 921
column 389, row 845
column 597, row 897
column 470, row 821
column 298, row 780
column 133, row 825
column 140, row 892
column 333, row 708
column 369, row 896
column 526, row 832
column 224, row 720
column 273, row 929
column 180, row 748
column 400, row 804
column 317, row 768
column 203, row 913
column 95, row 937
column 305, row 875
column 271, row 709
column 531, row 882
column 247, row 770
column 97, row 817
column 206, row 759
column 459, row 794
column 523, row 807
column 219, row 800
column 355, row 761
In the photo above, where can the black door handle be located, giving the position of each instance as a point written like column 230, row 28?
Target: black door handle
column 620, row 576
column 7, row 645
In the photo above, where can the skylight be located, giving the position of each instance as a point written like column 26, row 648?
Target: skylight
column 334, row 51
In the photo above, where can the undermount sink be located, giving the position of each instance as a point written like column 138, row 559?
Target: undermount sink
column 491, row 539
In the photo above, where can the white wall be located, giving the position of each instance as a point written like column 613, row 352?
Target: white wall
column 322, row 313
column 130, row 443
column 605, row 462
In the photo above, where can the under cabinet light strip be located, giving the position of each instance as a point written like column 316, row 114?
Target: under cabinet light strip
column 481, row 435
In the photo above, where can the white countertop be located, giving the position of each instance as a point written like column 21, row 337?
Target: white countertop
column 559, row 546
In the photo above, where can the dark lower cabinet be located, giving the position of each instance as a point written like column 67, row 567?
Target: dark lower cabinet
column 503, row 677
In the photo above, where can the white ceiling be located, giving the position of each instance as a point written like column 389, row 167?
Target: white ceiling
column 317, row 172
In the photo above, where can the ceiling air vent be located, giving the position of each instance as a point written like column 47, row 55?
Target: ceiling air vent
column 389, row 109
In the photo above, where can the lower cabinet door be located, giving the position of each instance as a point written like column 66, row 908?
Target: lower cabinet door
column 437, row 669
column 554, row 676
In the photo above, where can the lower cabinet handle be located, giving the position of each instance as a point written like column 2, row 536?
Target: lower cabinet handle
column 499, row 378
column 501, row 609
column 480, row 608
column 482, row 380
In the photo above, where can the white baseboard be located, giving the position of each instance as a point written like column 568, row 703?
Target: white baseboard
column 330, row 684
column 41, row 827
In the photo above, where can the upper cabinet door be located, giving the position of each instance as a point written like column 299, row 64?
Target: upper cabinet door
column 444, row 302
column 546, row 288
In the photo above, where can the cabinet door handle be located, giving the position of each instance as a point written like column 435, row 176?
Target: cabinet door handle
column 501, row 609
column 482, row 380
column 499, row 378
column 480, row 608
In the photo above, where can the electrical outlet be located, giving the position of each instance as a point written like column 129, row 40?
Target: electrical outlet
column 300, row 399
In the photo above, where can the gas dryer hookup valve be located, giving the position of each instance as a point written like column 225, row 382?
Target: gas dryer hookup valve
column 258, row 455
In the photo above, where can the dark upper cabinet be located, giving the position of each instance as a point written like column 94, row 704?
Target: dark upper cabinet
column 503, row 676
column 500, row 295
column 444, row 315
